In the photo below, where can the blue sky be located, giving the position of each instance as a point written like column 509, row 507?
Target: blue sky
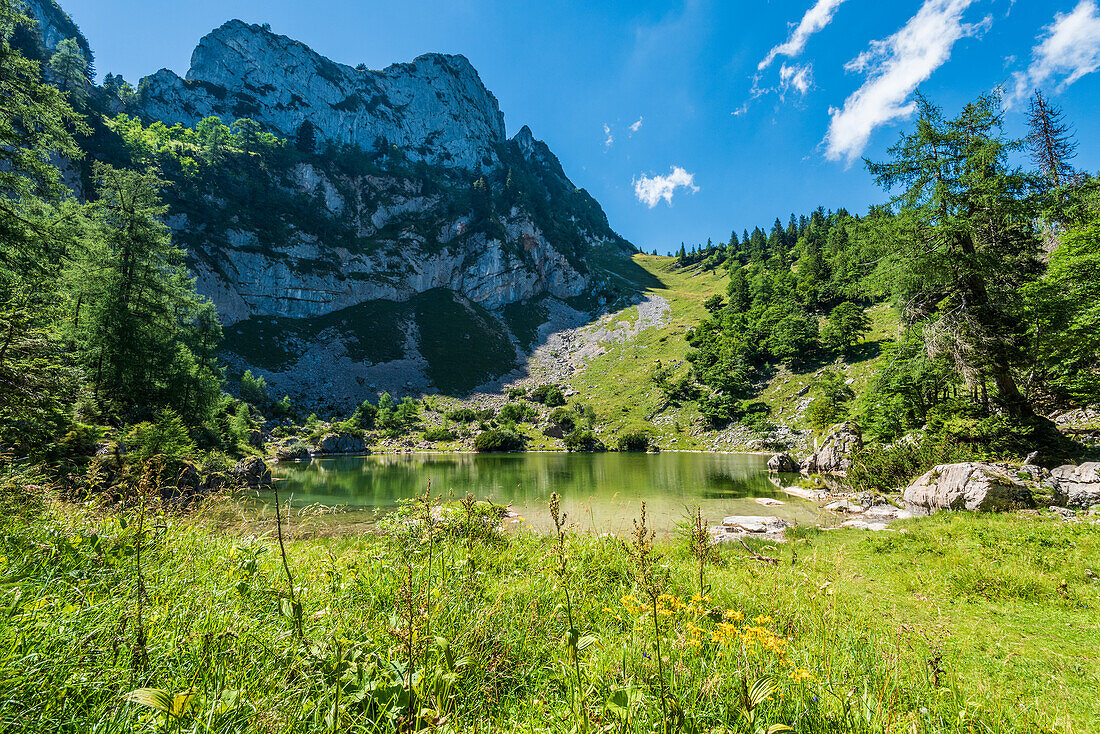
column 686, row 120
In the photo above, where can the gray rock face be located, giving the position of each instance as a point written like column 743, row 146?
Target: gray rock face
column 252, row 472
column 341, row 443
column 835, row 454
column 54, row 25
column 977, row 486
column 435, row 108
column 1078, row 486
column 782, row 463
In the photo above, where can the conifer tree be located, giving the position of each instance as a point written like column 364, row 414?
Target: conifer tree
column 1050, row 141
column 68, row 69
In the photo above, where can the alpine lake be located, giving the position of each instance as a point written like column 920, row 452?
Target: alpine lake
column 601, row 492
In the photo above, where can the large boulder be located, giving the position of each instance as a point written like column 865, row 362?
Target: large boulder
column 252, row 472
column 553, row 430
column 978, row 486
column 836, row 451
column 1077, row 486
column 782, row 463
column 341, row 443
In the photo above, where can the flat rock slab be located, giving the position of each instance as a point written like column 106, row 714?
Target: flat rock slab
column 844, row 506
column 768, row 501
column 857, row 524
column 739, row 527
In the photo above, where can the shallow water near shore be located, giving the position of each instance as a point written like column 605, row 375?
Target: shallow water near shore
column 601, row 493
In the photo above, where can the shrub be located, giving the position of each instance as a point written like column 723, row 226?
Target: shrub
column 583, row 440
column 166, row 436
column 516, row 393
column 254, row 389
column 79, row 440
column 283, row 408
column 365, row 415
column 462, row 415
column 565, row 418
column 518, row 413
column 633, row 441
column 498, row 439
column 886, row 468
column 439, row 433
column 548, row 395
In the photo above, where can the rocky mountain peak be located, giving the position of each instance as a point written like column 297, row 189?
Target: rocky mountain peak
column 435, row 108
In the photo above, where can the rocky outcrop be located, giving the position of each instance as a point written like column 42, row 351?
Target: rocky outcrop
column 978, row 487
column 435, row 108
column 252, row 471
column 293, row 451
column 412, row 187
column 1077, row 486
column 834, row 456
column 341, row 443
column 54, row 26
column 782, row 463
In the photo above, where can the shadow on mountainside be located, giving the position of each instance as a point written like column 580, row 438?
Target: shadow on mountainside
column 439, row 341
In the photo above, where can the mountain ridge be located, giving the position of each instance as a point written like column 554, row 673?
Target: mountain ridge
column 385, row 192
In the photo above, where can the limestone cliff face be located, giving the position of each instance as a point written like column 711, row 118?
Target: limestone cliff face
column 409, row 245
column 436, row 109
column 54, row 26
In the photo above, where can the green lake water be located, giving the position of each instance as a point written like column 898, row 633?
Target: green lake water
column 600, row 492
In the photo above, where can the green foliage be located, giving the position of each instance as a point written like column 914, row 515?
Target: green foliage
column 69, row 70
column 831, row 401
column 888, row 468
column 142, row 334
column 1063, row 308
column 1006, row 571
column 462, row 415
column 392, row 418
column 906, row 388
column 498, row 439
column 846, row 327
column 633, row 441
column 166, row 436
column 957, row 190
column 254, row 389
column 439, row 433
column 365, row 416
column 549, row 395
column 518, row 413
column 565, row 418
column 583, row 439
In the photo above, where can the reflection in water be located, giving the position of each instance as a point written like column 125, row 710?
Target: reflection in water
column 601, row 492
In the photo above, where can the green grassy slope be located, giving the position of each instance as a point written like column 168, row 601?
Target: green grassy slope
column 619, row 384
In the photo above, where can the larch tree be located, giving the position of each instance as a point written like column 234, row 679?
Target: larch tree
column 963, row 242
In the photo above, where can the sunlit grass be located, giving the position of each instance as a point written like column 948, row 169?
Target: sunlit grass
column 959, row 624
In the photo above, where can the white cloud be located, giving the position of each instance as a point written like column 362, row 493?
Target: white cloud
column 799, row 77
column 651, row 189
column 636, row 126
column 1068, row 49
column 895, row 67
column 610, row 138
column 815, row 19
